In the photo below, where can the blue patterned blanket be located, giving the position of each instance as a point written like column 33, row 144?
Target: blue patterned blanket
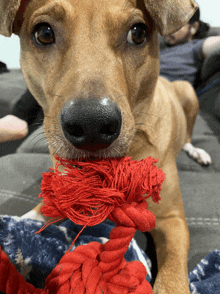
column 35, row 255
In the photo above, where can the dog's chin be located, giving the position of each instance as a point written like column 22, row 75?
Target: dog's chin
column 70, row 152
column 60, row 146
column 83, row 154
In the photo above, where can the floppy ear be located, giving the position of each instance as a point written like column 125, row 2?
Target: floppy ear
column 170, row 15
column 8, row 10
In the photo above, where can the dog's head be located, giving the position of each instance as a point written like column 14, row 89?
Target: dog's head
column 92, row 65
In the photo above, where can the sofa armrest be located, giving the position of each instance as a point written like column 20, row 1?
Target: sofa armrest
column 214, row 31
column 211, row 65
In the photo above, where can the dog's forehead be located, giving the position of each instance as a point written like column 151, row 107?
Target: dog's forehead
column 83, row 3
column 81, row 6
column 102, row 4
column 85, row 12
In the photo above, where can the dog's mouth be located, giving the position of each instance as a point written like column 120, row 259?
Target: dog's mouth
column 92, row 150
column 94, row 146
column 64, row 149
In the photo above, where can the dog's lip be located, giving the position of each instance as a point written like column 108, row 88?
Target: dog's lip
column 94, row 146
column 81, row 154
column 91, row 153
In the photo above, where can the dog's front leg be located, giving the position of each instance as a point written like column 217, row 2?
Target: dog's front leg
column 171, row 238
column 172, row 242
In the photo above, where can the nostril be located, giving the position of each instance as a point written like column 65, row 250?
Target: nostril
column 109, row 129
column 74, row 130
column 91, row 124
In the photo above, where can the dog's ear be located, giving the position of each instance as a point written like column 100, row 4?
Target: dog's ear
column 11, row 16
column 170, row 15
column 8, row 11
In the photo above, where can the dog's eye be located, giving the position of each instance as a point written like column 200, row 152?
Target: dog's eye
column 44, row 34
column 137, row 34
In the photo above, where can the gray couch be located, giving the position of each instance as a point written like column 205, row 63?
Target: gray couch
column 21, row 174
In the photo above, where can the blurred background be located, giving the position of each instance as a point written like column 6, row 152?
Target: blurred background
column 9, row 47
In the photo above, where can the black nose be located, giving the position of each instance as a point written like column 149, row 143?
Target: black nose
column 91, row 124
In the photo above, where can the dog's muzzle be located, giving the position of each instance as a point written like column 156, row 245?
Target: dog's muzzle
column 91, row 124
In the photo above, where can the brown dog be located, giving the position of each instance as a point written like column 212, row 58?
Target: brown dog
column 93, row 66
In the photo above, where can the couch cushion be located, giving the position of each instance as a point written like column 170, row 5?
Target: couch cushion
column 200, row 187
column 12, row 86
column 201, row 198
column 209, row 99
column 35, row 143
column 21, row 175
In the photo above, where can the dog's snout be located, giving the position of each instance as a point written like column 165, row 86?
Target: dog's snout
column 91, row 124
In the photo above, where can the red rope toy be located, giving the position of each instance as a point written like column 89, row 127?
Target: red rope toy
column 87, row 193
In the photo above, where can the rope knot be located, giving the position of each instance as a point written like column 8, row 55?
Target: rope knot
column 89, row 270
column 89, row 191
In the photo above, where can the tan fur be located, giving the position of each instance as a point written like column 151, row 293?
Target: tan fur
column 8, row 10
column 169, row 21
column 91, row 59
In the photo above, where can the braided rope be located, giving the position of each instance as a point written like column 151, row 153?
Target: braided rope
column 101, row 268
column 93, row 193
